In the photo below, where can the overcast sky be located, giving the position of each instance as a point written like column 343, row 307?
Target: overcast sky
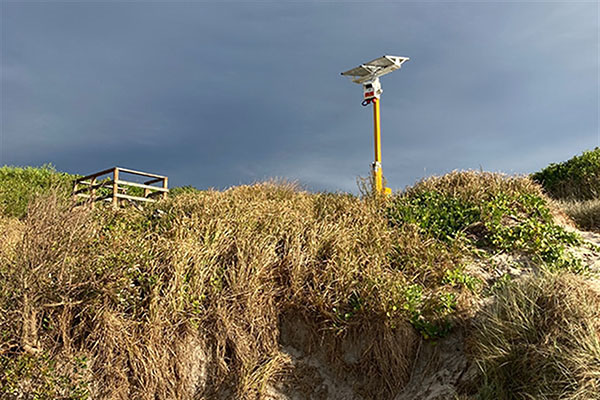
column 215, row 94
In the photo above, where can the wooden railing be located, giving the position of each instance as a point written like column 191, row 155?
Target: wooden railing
column 108, row 186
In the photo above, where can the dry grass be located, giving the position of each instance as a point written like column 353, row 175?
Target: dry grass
column 186, row 302
column 272, row 248
column 475, row 186
column 585, row 213
column 541, row 340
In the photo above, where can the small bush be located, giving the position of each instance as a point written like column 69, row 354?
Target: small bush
column 575, row 179
column 438, row 215
column 540, row 339
column 18, row 186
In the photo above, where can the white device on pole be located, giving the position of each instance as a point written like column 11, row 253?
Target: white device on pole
column 368, row 75
column 372, row 89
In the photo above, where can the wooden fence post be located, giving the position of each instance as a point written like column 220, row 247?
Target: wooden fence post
column 92, row 191
column 75, row 187
column 165, row 185
column 115, row 199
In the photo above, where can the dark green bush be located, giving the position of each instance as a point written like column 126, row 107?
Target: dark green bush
column 575, row 179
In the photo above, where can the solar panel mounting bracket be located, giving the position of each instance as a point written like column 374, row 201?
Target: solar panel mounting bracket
column 373, row 69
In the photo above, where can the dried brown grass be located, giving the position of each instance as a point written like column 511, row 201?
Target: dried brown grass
column 477, row 186
column 186, row 302
column 585, row 213
column 540, row 339
column 277, row 249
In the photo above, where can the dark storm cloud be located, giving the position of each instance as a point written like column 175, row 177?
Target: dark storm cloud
column 221, row 94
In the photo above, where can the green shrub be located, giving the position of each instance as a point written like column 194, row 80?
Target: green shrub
column 575, row 179
column 18, row 186
column 503, row 214
column 438, row 215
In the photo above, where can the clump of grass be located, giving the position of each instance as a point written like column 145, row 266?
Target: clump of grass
column 18, row 186
column 540, row 339
column 82, row 283
column 575, row 179
column 585, row 213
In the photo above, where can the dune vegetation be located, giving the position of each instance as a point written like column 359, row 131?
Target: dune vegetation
column 540, row 340
column 187, row 298
column 575, row 184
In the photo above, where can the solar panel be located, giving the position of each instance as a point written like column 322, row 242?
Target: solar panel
column 375, row 68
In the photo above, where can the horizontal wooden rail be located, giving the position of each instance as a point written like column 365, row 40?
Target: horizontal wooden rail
column 125, row 196
column 132, row 171
column 140, row 185
column 97, row 174
column 96, row 186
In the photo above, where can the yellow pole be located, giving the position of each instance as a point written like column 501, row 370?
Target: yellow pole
column 377, row 172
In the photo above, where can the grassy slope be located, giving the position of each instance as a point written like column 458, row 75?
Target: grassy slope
column 142, row 301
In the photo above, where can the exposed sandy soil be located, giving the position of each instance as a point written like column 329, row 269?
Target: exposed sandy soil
column 590, row 254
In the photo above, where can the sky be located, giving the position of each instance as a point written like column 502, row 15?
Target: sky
column 216, row 94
